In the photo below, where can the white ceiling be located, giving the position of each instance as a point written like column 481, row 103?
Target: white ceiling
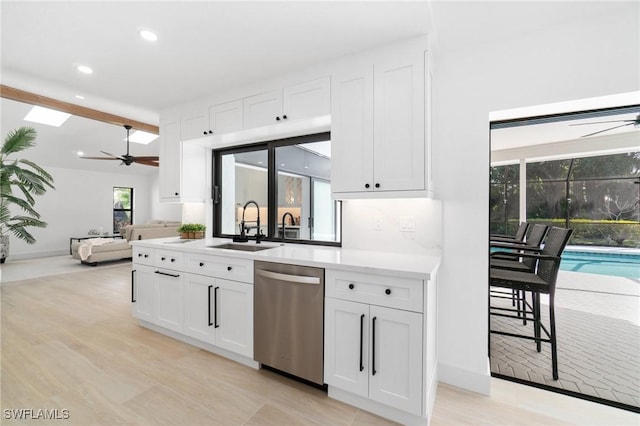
column 205, row 46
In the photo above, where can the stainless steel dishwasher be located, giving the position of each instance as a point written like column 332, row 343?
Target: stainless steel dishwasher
column 289, row 319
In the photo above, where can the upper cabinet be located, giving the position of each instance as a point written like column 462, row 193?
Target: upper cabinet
column 378, row 128
column 226, row 117
column 263, row 109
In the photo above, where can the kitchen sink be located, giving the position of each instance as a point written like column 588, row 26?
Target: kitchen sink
column 242, row 247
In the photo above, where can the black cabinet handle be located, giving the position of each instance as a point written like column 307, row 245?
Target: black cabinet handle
column 215, row 307
column 176, row 194
column 133, row 298
column 201, row 264
column 210, row 132
column 361, row 340
column 209, row 305
column 173, row 259
column 229, row 268
column 168, row 275
column 277, row 118
column 351, row 286
column 366, row 185
column 146, row 255
column 205, row 132
column 373, row 346
column 387, row 291
column 284, row 117
column 162, row 258
column 139, row 254
column 377, row 185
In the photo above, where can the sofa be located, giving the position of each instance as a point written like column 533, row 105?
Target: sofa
column 92, row 251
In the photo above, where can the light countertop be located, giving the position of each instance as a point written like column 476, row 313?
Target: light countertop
column 413, row 265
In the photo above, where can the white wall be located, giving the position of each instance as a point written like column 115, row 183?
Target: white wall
column 82, row 200
column 580, row 60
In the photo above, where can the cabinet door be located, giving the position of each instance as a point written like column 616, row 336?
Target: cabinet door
column 263, row 109
column 193, row 172
column 227, row 117
column 143, row 292
column 346, row 341
column 396, row 358
column 198, row 316
column 170, row 159
column 195, row 124
column 399, row 144
column 233, row 316
column 311, row 99
column 352, row 131
column 169, row 300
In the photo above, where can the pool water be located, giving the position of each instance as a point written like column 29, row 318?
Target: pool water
column 616, row 264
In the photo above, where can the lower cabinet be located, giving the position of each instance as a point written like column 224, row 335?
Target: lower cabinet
column 169, row 304
column 143, row 292
column 219, row 312
column 375, row 352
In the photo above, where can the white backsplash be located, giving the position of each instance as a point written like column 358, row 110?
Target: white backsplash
column 376, row 225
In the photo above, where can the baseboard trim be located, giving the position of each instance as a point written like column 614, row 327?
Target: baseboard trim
column 465, row 379
column 36, row 254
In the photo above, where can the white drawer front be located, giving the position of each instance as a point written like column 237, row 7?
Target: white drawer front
column 381, row 290
column 228, row 268
column 143, row 256
column 169, row 259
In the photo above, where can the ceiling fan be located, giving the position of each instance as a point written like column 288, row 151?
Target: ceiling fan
column 635, row 122
column 127, row 159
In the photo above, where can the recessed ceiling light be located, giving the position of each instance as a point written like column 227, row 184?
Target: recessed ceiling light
column 47, row 116
column 79, row 97
column 148, row 35
column 80, row 153
column 84, row 69
column 142, row 137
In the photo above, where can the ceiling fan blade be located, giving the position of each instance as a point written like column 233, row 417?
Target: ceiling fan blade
column 606, row 130
column 147, row 158
column 114, row 156
column 598, row 122
column 98, row 158
column 146, row 162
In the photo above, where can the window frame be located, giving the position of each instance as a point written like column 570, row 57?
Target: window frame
column 272, row 186
column 130, row 209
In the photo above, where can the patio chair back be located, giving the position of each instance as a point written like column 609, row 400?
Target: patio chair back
column 556, row 241
column 534, row 239
column 521, row 232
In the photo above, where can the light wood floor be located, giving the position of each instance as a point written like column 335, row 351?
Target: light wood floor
column 69, row 342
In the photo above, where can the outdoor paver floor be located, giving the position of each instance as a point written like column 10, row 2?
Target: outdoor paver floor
column 598, row 332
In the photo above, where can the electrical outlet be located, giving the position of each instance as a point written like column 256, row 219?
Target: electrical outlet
column 407, row 224
column 377, row 223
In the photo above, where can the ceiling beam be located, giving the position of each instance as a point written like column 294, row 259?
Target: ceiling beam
column 78, row 110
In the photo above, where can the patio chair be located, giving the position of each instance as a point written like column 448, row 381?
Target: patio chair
column 519, row 236
column 541, row 281
column 531, row 244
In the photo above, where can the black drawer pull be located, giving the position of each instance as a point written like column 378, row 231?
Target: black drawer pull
column 215, row 307
column 361, row 340
column 373, row 346
column 133, row 298
column 209, row 305
column 387, row 291
column 229, row 268
column 139, row 254
column 351, row 286
column 201, row 264
column 162, row 258
column 173, row 259
column 167, row 274
column 146, row 255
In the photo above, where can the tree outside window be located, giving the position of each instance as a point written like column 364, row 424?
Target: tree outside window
column 122, row 208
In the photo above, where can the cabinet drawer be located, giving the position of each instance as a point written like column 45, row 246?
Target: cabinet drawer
column 143, row 256
column 229, row 268
column 169, row 259
column 381, row 290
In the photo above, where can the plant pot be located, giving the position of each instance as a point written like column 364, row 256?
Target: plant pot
column 198, row 235
column 184, row 235
column 4, row 248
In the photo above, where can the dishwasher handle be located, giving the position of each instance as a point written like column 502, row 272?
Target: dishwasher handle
column 299, row 279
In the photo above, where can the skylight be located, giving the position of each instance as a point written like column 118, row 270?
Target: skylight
column 142, row 137
column 47, row 116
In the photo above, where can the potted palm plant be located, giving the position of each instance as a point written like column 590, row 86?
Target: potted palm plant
column 20, row 181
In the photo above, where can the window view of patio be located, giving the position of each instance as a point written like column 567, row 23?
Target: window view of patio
column 122, row 208
column 594, row 303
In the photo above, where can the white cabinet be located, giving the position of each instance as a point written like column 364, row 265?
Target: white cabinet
column 296, row 102
column 374, row 352
column 169, row 304
column 195, row 123
column 143, row 292
column 226, row 117
column 170, row 157
column 378, row 127
column 219, row 312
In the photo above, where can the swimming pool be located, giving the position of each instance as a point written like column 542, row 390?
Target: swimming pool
column 603, row 263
